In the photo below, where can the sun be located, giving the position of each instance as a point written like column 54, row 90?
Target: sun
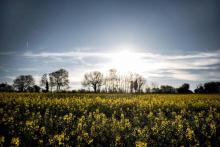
column 127, row 61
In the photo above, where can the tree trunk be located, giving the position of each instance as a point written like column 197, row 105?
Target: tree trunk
column 95, row 88
column 47, row 86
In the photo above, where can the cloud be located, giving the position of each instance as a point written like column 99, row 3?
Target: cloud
column 144, row 55
column 184, row 75
column 63, row 54
column 162, row 68
column 151, row 65
column 195, row 55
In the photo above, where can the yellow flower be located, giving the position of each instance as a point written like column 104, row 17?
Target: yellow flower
column 189, row 134
column 29, row 123
column 15, row 141
column 51, row 141
column 68, row 117
column 60, row 138
column 2, row 139
column 43, row 130
column 140, row 144
column 117, row 139
column 90, row 141
column 40, row 141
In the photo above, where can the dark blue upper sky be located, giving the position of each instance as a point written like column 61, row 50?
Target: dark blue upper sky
column 159, row 27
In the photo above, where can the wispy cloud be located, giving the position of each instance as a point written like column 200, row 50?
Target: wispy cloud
column 63, row 54
column 162, row 68
column 196, row 55
column 178, row 66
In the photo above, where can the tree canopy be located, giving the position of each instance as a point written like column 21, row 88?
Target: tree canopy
column 23, row 82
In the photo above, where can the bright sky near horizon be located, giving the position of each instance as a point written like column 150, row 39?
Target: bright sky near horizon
column 168, row 42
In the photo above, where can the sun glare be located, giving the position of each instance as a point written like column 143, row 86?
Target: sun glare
column 127, row 61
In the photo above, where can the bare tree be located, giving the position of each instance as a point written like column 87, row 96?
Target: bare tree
column 23, row 82
column 45, row 82
column 130, row 81
column 111, row 81
column 105, row 83
column 135, row 86
column 131, row 86
column 114, row 82
column 140, row 82
column 136, row 82
column 52, row 82
column 93, row 79
column 127, row 83
column 59, row 79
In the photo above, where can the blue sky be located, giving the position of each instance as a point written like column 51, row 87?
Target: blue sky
column 169, row 42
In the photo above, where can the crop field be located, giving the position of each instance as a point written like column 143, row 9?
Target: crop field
column 64, row 119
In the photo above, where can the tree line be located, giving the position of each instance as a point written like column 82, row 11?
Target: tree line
column 95, row 81
column 113, row 82
column 57, row 80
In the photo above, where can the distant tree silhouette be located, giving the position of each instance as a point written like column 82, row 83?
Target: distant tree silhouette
column 131, row 86
column 167, row 89
column 59, row 79
column 184, row 88
column 52, row 82
column 155, row 90
column 136, row 82
column 212, row 87
column 112, row 80
column 4, row 87
column 140, row 82
column 45, row 82
column 209, row 87
column 93, row 79
column 147, row 90
column 135, row 85
column 34, row 88
column 200, row 89
column 23, row 82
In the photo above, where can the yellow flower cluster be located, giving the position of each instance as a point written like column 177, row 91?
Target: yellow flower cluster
column 65, row 119
column 15, row 141
column 140, row 144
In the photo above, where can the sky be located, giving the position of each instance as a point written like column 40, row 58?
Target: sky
column 168, row 42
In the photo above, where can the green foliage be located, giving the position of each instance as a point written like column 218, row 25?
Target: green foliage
column 65, row 119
